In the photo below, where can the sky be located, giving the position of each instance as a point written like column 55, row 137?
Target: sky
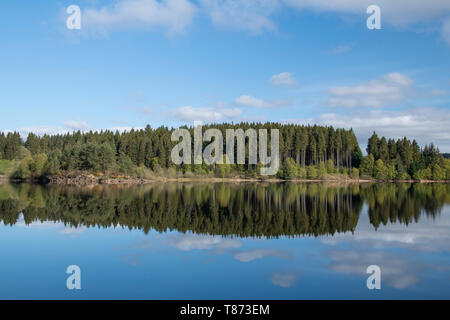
column 173, row 62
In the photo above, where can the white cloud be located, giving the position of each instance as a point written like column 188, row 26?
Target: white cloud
column 284, row 280
column 251, row 101
column 231, row 112
column 389, row 89
column 76, row 125
column 249, row 15
column 188, row 242
column 247, row 256
column 429, row 235
column 188, row 113
column 283, row 79
column 398, row 12
column 254, row 16
column 423, row 124
column 123, row 129
column 173, row 15
column 72, row 231
column 396, row 271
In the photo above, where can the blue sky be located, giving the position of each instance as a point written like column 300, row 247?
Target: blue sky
column 138, row 62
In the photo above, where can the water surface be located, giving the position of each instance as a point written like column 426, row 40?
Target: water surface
column 225, row 241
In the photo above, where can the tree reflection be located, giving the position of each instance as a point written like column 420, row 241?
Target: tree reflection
column 246, row 210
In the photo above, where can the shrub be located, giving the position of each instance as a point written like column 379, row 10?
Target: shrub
column 355, row 173
column 322, row 170
column 124, row 163
column 381, row 171
column 311, row 172
column 368, row 165
column 290, row 169
column 438, row 173
column 302, row 173
column 330, row 166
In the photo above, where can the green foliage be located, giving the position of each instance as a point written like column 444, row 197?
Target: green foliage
column 302, row 173
column 53, row 167
column 11, row 144
column 322, row 170
column 330, row 166
column 37, row 165
column 90, row 156
column 124, row 164
column 368, row 165
column 311, row 172
column 5, row 166
column 423, row 174
column 305, row 152
column 355, row 173
column 22, row 153
column 438, row 173
column 224, row 169
column 381, row 172
column 290, row 169
column 403, row 159
column 447, row 168
column 23, row 170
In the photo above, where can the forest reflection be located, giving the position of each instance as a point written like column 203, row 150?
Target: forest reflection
column 245, row 210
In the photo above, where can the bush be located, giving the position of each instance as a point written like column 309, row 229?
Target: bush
column 330, row 166
column 322, row 170
column 53, row 165
column 23, row 153
column 124, row 164
column 23, row 170
column 391, row 172
column 438, row 173
column 5, row 166
column 311, row 172
column 38, row 164
column 144, row 173
column 355, row 173
column 381, row 171
column 290, row 169
column 368, row 165
column 423, row 174
column 302, row 173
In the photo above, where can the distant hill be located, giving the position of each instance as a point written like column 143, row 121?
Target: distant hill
column 446, row 155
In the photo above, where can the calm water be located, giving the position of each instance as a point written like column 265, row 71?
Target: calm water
column 225, row 241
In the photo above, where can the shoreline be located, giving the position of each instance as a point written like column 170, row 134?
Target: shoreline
column 90, row 180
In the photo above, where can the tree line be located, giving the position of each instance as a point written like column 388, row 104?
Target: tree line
column 305, row 152
column 403, row 160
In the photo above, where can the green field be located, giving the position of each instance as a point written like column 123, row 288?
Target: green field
column 6, row 167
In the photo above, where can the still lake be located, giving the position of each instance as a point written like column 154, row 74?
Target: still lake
column 225, row 241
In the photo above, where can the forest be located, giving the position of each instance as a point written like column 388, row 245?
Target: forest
column 306, row 152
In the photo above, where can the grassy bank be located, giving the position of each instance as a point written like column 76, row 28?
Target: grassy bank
column 7, row 167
